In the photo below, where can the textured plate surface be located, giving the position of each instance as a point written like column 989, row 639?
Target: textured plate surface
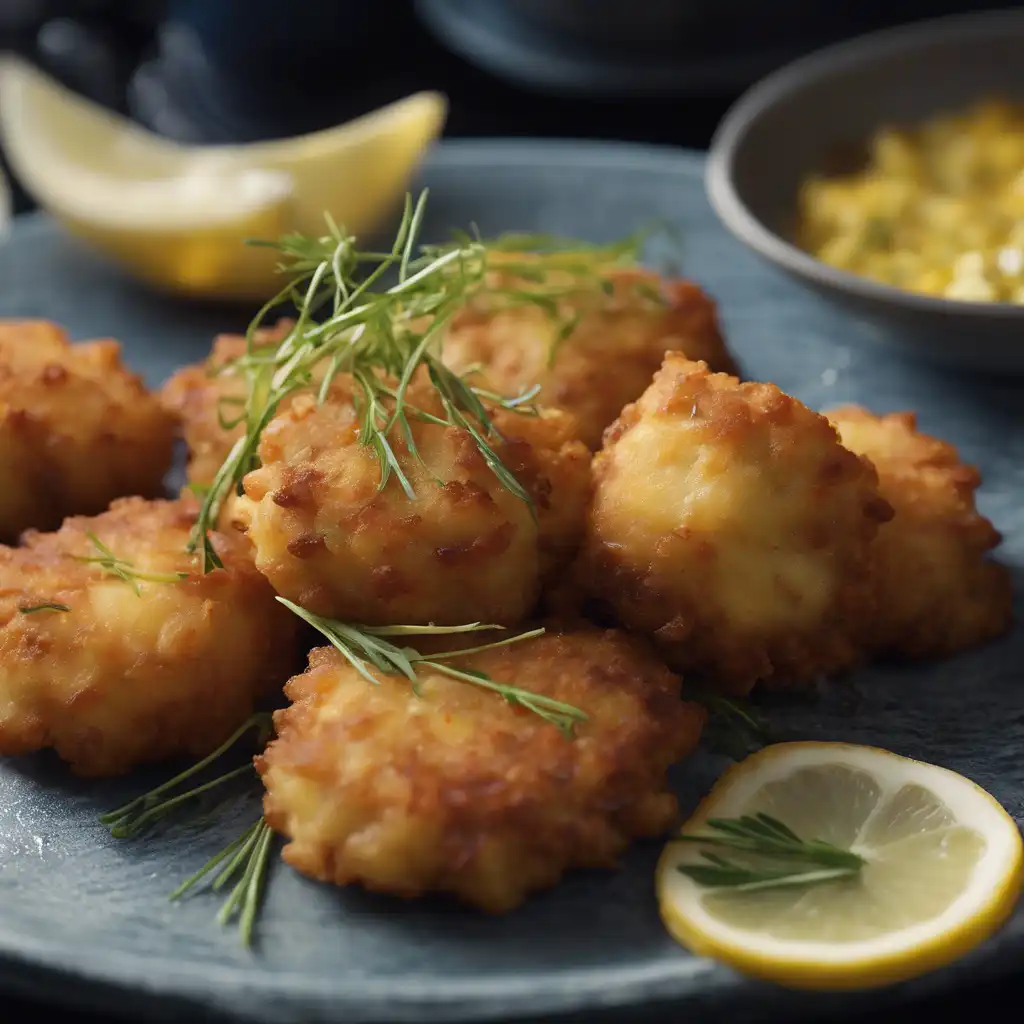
column 88, row 918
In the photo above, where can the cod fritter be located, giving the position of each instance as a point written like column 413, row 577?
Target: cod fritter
column 77, row 429
column 617, row 343
column 937, row 591
column 206, row 400
column 730, row 524
column 124, row 676
column 457, row 791
column 464, row 549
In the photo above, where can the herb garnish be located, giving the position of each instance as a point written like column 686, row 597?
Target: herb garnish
column 381, row 336
column 775, row 856
column 144, row 811
column 248, row 859
column 112, row 565
column 48, row 606
column 734, row 728
column 248, row 856
column 367, row 648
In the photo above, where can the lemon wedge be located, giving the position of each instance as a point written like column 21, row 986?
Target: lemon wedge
column 178, row 216
column 5, row 204
column 941, row 869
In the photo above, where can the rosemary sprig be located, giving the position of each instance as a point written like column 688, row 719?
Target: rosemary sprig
column 248, row 856
column 367, row 648
column 112, row 565
column 381, row 336
column 774, row 856
column 47, row 606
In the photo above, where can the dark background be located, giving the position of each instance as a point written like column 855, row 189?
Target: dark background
column 237, row 70
column 658, row 71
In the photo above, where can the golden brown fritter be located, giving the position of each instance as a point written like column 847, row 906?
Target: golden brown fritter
column 609, row 358
column 77, row 429
column 937, row 592
column 730, row 524
column 455, row 790
column 124, row 677
column 202, row 399
column 465, row 549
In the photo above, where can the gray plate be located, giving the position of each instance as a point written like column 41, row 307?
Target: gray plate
column 85, row 918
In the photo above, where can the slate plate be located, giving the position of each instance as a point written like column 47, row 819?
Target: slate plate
column 86, row 919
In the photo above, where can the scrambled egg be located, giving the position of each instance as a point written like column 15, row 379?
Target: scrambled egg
column 938, row 209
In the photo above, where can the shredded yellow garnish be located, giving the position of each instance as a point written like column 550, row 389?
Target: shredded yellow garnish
column 938, row 209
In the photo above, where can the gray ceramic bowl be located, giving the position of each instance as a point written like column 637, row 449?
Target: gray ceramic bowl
column 789, row 124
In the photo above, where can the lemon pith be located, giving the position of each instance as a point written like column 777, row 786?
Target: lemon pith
column 944, row 870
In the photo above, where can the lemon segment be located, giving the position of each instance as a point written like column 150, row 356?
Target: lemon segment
column 943, row 869
column 5, row 204
column 179, row 216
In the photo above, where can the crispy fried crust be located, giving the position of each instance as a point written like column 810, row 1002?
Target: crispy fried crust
column 937, row 592
column 202, row 400
column 456, row 791
column 607, row 360
column 465, row 549
column 77, row 429
column 730, row 524
column 123, row 678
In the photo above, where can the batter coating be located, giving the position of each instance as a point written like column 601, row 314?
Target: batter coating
column 730, row 525
column 464, row 549
column 936, row 590
column 113, row 676
column 77, row 429
column 206, row 403
column 456, row 791
column 617, row 344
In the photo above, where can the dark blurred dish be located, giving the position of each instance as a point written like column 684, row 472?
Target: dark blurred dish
column 650, row 47
column 797, row 120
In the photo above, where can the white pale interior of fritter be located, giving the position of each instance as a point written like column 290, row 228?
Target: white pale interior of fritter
column 682, row 484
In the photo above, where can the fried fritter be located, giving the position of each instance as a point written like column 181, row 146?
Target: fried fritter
column 937, row 592
column 125, row 676
column 607, row 360
column 730, row 524
column 203, row 400
column 465, row 549
column 77, row 429
column 457, row 791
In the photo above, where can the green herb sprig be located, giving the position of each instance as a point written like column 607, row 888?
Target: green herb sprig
column 248, row 856
column 774, row 856
column 47, row 606
column 367, row 648
column 380, row 336
column 248, row 864
column 140, row 814
column 735, row 728
column 112, row 565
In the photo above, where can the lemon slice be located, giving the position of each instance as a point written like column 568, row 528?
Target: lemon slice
column 942, row 869
column 178, row 216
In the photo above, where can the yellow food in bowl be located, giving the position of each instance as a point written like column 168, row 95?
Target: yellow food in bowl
column 937, row 209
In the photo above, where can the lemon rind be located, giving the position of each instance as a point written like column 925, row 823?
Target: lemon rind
column 902, row 955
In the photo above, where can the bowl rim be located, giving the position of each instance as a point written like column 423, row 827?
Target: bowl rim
column 799, row 75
